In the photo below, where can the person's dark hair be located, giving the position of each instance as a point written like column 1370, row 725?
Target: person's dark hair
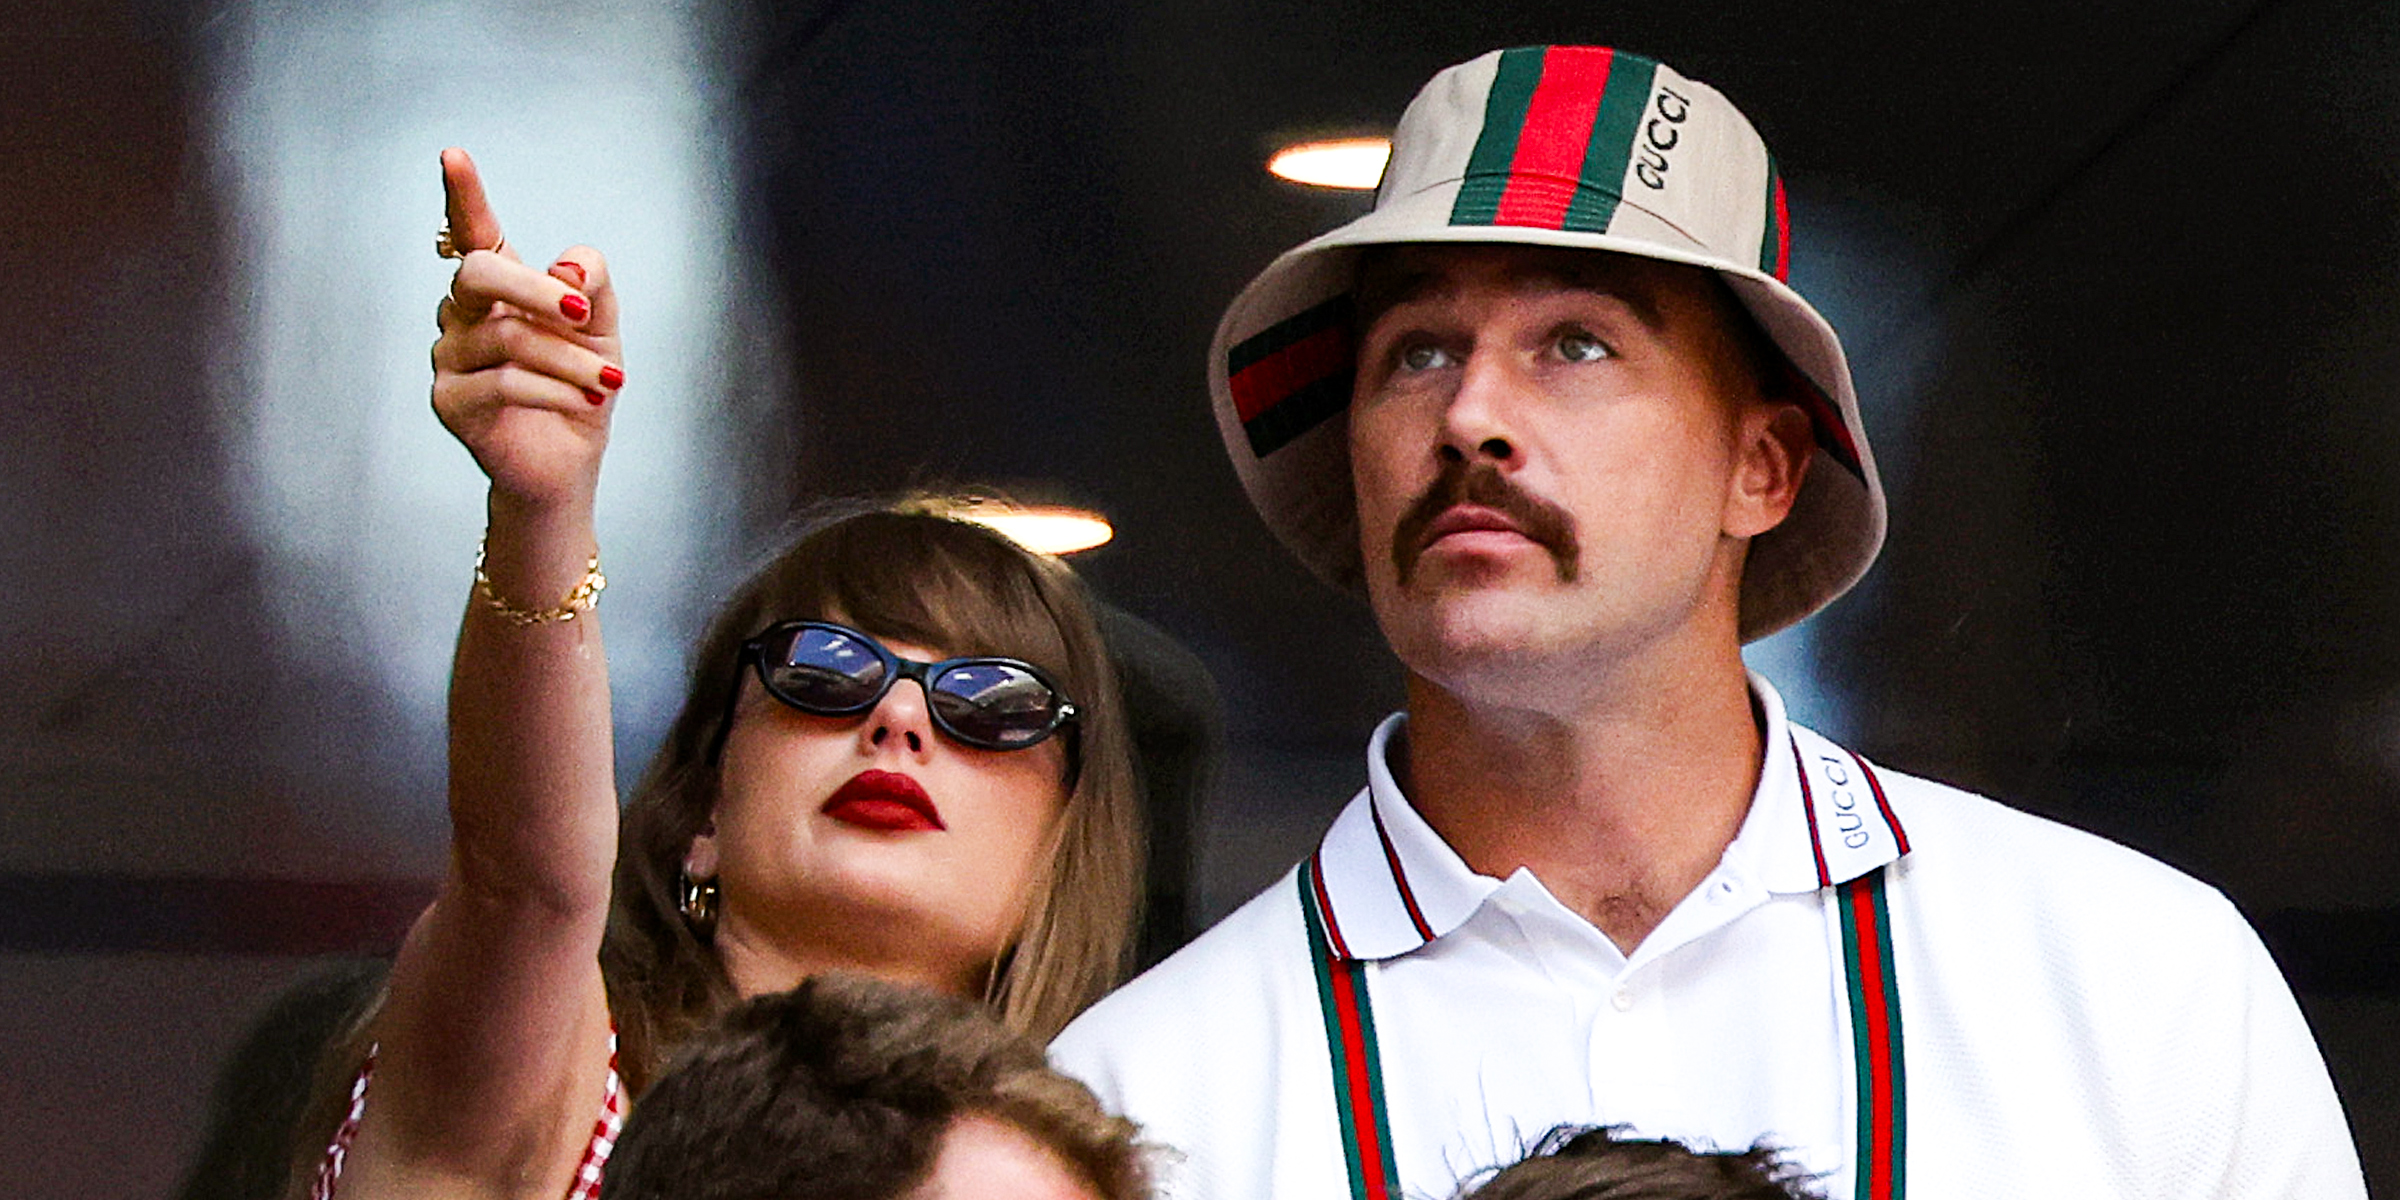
column 910, row 572
column 261, row 1100
column 1582, row 1163
column 842, row 1089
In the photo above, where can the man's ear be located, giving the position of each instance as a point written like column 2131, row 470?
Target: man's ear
column 1776, row 446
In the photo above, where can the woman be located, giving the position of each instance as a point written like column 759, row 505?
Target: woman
column 840, row 790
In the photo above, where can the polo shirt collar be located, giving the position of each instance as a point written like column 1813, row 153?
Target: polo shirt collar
column 1386, row 883
column 1820, row 816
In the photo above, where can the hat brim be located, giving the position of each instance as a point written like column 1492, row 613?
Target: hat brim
column 1302, row 487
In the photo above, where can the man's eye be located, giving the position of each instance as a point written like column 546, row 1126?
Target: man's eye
column 1578, row 346
column 1424, row 358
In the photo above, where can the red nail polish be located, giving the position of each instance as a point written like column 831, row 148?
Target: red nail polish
column 597, row 398
column 612, row 376
column 575, row 307
column 564, row 267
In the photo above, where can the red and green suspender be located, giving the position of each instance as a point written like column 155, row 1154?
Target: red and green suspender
column 1874, row 1001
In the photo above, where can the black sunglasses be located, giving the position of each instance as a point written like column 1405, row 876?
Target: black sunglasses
column 833, row 670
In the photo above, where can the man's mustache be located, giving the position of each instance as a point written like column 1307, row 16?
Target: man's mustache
column 1545, row 523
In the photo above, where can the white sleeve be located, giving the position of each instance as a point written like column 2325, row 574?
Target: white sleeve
column 2282, row 1130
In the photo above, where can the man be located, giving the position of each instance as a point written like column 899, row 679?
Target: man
column 850, row 1088
column 1554, row 407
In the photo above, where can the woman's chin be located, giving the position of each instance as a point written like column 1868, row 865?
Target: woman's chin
column 881, row 902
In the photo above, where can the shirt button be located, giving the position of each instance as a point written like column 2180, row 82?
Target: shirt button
column 1722, row 891
column 1623, row 1000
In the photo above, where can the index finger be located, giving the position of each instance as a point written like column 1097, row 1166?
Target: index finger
column 472, row 223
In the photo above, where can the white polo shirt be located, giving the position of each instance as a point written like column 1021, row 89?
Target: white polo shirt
column 2077, row 1020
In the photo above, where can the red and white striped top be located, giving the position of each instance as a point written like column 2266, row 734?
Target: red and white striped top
column 586, row 1184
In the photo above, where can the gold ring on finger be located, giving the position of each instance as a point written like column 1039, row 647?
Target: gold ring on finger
column 447, row 246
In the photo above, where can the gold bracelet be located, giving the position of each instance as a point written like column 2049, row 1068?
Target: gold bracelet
column 583, row 599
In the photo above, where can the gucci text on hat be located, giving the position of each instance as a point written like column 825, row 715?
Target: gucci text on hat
column 1576, row 146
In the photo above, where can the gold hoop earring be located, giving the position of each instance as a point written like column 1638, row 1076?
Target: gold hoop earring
column 697, row 898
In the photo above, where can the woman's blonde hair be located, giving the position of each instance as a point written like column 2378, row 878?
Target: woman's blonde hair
column 905, row 571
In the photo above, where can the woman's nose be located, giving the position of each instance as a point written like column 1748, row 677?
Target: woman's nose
column 900, row 717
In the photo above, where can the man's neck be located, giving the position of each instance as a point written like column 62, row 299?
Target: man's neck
column 1621, row 804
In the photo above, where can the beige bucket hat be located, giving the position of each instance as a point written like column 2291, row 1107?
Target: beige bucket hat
column 1577, row 146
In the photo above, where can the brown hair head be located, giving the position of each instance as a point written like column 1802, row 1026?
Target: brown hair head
column 842, row 1089
column 906, row 571
column 1573, row 1163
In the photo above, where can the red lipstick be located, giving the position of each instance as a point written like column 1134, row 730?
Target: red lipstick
column 887, row 801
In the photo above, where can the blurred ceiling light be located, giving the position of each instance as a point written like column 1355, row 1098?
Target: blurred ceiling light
column 1354, row 163
column 1044, row 529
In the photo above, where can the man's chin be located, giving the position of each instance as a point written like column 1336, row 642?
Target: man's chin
column 1467, row 585
column 1453, row 625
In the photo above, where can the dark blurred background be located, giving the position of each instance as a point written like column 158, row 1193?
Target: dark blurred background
column 2122, row 289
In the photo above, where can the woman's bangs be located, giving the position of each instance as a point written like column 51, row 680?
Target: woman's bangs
column 954, row 588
